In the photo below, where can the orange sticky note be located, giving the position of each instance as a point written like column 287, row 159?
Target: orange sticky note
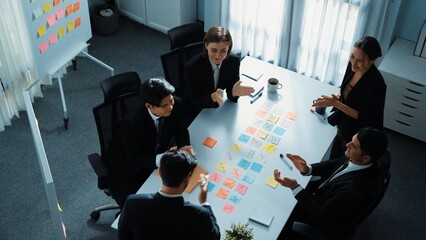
column 209, row 142
column 68, row 10
column 61, row 32
column 43, row 47
column 41, row 30
column 250, row 130
column 53, row 39
column 56, row 2
column 76, row 6
column 77, row 22
column 291, row 115
column 228, row 208
column 229, row 183
column 70, row 26
column 260, row 113
column 222, row 193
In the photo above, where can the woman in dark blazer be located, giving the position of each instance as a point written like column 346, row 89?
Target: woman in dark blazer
column 361, row 100
column 209, row 73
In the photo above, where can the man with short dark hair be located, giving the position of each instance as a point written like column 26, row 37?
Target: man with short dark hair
column 144, row 135
column 165, row 214
column 344, row 189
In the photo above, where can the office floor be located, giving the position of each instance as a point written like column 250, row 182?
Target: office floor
column 23, row 203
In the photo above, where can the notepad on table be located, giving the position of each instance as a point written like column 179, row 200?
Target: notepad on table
column 262, row 216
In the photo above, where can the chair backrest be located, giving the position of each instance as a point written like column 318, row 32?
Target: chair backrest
column 377, row 189
column 120, row 84
column 185, row 34
column 174, row 61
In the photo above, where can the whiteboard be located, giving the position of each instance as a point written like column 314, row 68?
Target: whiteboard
column 58, row 30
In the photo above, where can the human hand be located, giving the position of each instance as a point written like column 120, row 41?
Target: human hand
column 326, row 101
column 203, row 183
column 174, row 148
column 298, row 162
column 241, row 90
column 217, row 96
column 286, row 182
column 189, row 150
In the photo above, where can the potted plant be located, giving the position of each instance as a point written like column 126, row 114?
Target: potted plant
column 239, row 231
column 105, row 19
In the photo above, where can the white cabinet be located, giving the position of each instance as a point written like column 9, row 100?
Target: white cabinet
column 159, row 14
column 405, row 76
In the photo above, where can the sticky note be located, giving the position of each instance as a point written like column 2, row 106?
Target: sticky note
column 76, row 7
column 271, row 182
column 47, row 7
column 248, row 178
column 43, row 47
column 229, row 183
column 274, row 139
column 51, row 20
column 269, row 148
column 244, row 164
column 273, row 118
column 260, row 113
column 285, row 123
column 59, row 13
column 255, row 143
column 234, row 198
column 268, row 126
column 221, row 166
column 77, row 22
column 236, row 172
column 37, row 13
column 262, row 134
column 210, row 187
column 222, row 193
column 292, row 115
column 241, row 188
column 215, row 177
column 256, row 122
column 53, row 39
column 280, row 131
column 244, row 138
column 209, row 142
column 250, row 130
column 56, row 2
column 228, row 208
column 41, row 30
column 236, row 147
column 70, row 26
column 251, row 153
column 256, row 167
column 68, row 10
column 61, row 32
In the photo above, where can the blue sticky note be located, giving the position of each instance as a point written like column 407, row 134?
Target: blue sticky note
column 280, row 131
column 244, row 138
column 234, row 198
column 268, row 126
column 210, row 187
column 244, row 164
column 248, row 178
column 256, row 167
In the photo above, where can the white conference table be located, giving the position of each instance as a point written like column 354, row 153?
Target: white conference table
column 237, row 127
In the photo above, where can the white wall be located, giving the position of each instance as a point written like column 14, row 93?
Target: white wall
column 410, row 20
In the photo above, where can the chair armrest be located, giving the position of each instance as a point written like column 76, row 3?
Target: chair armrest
column 309, row 231
column 98, row 165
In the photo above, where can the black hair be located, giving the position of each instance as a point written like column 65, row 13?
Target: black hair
column 153, row 90
column 370, row 46
column 373, row 142
column 175, row 166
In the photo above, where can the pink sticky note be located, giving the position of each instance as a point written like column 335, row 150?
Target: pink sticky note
column 51, row 20
column 228, row 208
column 215, row 177
column 43, row 47
column 59, row 13
column 241, row 188
column 53, row 38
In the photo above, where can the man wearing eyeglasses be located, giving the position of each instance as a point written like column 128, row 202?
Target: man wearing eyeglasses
column 144, row 135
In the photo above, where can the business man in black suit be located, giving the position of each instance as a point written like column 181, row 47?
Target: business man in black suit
column 211, row 72
column 344, row 189
column 165, row 214
column 144, row 135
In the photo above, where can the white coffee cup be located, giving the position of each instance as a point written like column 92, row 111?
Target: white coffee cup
column 274, row 85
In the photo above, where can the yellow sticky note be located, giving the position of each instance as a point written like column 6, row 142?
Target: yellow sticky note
column 262, row 134
column 273, row 118
column 269, row 148
column 41, row 30
column 70, row 26
column 271, row 182
column 221, row 166
column 61, row 32
column 236, row 147
column 47, row 7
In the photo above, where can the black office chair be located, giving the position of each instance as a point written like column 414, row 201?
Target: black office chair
column 377, row 188
column 107, row 117
column 120, row 84
column 183, row 35
column 173, row 64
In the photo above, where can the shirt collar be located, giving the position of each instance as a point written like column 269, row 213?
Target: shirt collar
column 214, row 64
column 354, row 167
column 169, row 195
column 154, row 118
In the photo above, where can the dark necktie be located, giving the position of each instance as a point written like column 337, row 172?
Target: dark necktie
column 159, row 129
column 334, row 174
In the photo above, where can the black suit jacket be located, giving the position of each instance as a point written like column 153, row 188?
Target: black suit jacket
column 368, row 97
column 199, row 82
column 153, row 216
column 337, row 201
column 135, row 150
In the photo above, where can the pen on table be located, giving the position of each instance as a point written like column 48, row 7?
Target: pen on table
column 255, row 98
column 258, row 92
column 319, row 115
column 286, row 162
